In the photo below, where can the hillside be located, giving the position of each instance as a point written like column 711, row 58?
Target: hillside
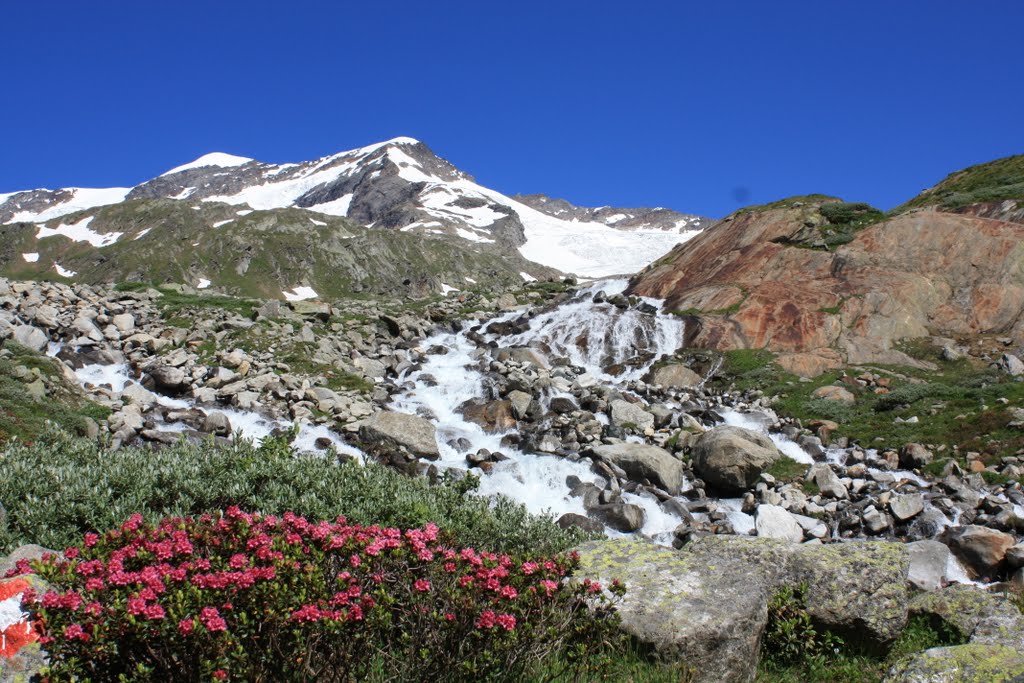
column 828, row 282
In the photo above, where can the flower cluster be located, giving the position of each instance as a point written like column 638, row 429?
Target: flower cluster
column 213, row 596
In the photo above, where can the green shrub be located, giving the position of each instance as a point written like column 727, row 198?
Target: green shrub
column 251, row 597
column 837, row 411
column 790, row 636
column 844, row 213
column 60, row 487
column 908, row 394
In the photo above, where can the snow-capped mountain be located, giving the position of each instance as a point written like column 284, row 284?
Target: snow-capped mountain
column 398, row 185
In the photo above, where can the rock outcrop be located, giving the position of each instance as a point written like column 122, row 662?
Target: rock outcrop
column 755, row 280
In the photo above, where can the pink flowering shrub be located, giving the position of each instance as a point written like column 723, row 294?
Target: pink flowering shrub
column 247, row 597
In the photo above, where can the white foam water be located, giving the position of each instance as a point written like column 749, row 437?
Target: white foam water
column 591, row 336
column 598, row 336
column 244, row 423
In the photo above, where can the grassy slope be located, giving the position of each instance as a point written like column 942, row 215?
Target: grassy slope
column 963, row 404
column 256, row 255
column 993, row 181
column 23, row 415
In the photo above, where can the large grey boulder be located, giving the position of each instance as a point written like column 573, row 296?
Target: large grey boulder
column 414, row 434
column 773, row 521
column 982, row 550
column 982, row 617
column 624, row 517
column 928, row 561
column 625, row 414
column 857, row 589
column 730, row 459
column 970, row 663
column 674, row 376
column 641, row 461
column 707, row 604
column 827, row 481
column 711, row 618
column 30, row 337
column 168, row 377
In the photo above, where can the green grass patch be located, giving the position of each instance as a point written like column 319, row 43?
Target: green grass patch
column 957, row 405
column 787, row 469
column 24, row 416
column 990, row 182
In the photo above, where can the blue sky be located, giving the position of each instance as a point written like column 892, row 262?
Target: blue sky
column 701, row 107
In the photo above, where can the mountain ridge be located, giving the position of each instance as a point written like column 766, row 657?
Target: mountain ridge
column 397, row 184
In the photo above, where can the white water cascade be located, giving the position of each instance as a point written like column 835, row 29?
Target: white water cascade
column 446, row 381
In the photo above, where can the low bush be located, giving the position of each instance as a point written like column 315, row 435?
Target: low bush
column 249, row 597
column 59, row 487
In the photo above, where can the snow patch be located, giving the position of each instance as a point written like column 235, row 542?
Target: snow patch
column 31, row 257
column 203, row 283
column 243, row 212
column 300, row 294
column 142, row 233
column 213, row 159
column 220, row 223
column 316, row 222
column 472, row 236
column 82, row 198
column 64, row 272
column 527, row 277
column 337, row 207
column 470, row 280
column 184, row 194
column 447, row 289
column 79, row 232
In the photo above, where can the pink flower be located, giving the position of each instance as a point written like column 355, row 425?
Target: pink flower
column 154, row 612
column 506, row 621
column 185, row 626
column 486, row 620
column 220, row 675
column 549, row 586
column 509, row 592
column 421, row 586
column 529, row 567
column 238, row 561
column 449, row 616
column 71, row 553
column 306, row 613
column 76, row 632
column 91, row 539
column 212, row 620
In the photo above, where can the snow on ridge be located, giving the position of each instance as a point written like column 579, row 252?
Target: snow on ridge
column 82, row 198
column 64, row 272
column 79, row 232
column 300, row 294
column 30, row 257
column 212, row 159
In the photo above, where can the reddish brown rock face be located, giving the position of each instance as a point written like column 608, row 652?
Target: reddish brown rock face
column 917, row 274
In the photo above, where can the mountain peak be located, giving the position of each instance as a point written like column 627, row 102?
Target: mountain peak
column 212, row 159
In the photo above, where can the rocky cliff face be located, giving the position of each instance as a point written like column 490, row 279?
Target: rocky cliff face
column 757, row 280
